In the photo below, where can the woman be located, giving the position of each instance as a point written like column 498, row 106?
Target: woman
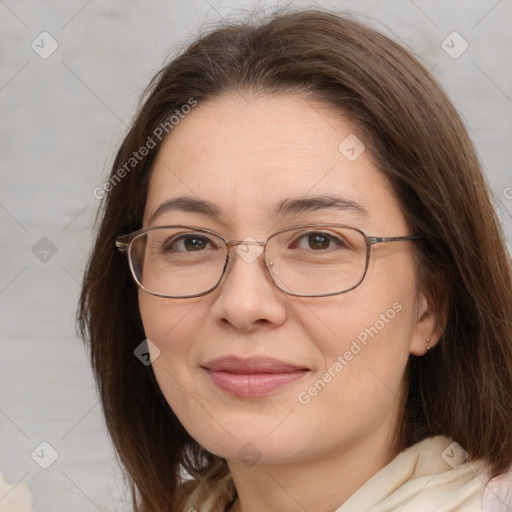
column 299, row 293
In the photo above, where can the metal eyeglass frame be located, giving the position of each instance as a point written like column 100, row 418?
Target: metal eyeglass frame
column 122, row 244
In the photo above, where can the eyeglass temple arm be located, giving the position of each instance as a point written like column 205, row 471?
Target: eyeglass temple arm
column 121, row 243
column 384, row 239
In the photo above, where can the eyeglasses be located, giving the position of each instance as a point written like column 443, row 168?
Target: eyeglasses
column 315, row 260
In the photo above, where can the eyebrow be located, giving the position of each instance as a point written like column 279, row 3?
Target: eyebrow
column 283, row 208
column 186, row 204
column 324, row 202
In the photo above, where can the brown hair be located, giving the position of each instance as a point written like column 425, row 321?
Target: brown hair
column 463, row 387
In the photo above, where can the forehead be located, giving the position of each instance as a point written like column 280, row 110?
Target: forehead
column 246, row 155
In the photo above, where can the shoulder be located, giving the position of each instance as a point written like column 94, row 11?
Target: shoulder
column 186, row 490
column 497, row 496
column 433, row 474
column 15, row 497
column 206, row 496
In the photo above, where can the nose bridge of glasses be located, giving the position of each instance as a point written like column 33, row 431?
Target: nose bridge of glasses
column 247, row 241
column 248, row 249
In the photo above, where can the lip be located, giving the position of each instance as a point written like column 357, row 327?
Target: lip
column 254, row 376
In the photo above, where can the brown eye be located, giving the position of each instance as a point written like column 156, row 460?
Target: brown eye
column 194, row 243
column 188, row 243
column 318, row 241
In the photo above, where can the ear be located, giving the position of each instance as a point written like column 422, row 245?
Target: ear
column 428, row 326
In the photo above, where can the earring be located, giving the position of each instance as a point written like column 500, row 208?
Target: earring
column 427, row 344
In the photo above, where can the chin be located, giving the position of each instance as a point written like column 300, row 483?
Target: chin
column 242, row 437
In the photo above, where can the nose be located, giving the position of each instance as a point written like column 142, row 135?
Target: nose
column 247, row 298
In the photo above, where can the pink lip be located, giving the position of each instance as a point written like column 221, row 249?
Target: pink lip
column 255, row 376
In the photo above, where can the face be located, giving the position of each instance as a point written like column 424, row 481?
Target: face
column 305, row 377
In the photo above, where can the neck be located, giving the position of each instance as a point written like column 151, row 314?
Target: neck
column 322, row 484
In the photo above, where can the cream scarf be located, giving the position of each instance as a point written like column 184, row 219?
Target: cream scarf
column 430, row 476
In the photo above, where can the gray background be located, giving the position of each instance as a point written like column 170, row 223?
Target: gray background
column 62, row 119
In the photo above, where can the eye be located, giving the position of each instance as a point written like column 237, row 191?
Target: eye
column 318, row 241
column 191, row 242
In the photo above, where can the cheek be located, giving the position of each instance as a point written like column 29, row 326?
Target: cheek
column 363, row 337
column 172, row 327
column 360, row 326
column 167, row 322
column 360, row 372
column 372, row 339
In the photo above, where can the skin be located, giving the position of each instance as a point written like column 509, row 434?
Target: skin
column 245, row 154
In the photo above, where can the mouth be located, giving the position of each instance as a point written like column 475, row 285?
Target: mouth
column 255, row 376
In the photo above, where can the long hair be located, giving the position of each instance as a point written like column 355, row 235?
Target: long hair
column 463, row 387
